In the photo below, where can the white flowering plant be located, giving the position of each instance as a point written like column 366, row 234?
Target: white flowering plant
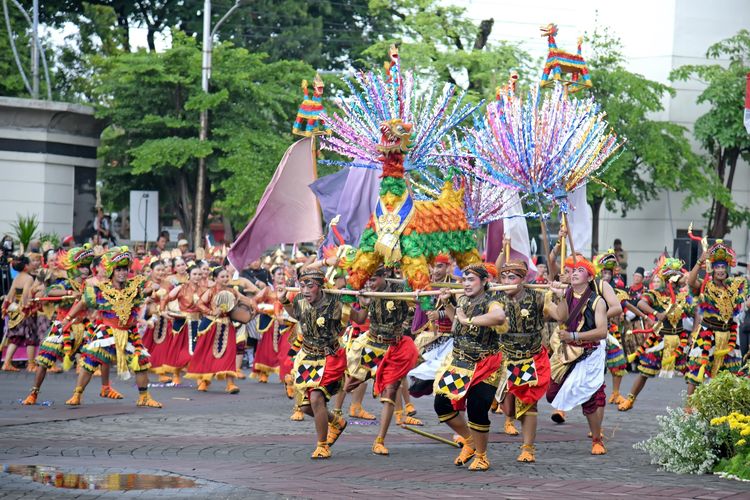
column 685, row 444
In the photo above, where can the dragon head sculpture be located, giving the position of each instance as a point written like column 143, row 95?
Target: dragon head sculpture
column 396, row 136
column 549, row 30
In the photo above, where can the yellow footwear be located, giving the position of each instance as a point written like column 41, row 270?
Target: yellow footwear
column 109, row 393
column 558, row 417
column 527, row 454
column 297, row 415
column 75, row 400
column 510, row 429
column 241, row 375
column 597, row 447
column 410, row 410
column 335, row 428
column 232, row 389
column 54, row 369
column 480, row 463
column 459, row 439
column 263, row 379
column 164, row 379
column 31, row 366
column 323, row 450
column 378, row 447
column 616, row 398
column 627, row 403
column 402, row 419
column 145, row 400
column 176, row 380
column 357, row 411
column 10, row 368
column 467, row 452
column 31, row 398
column 203, row 385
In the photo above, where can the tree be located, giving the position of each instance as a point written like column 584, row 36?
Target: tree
column 440, row 41
column 657, row 154
column 152, row 101
column 721, row 130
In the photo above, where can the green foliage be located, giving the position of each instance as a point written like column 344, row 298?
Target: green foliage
column 53, row 238
column 153, row 101
column 723, row 395
column 721, row 130
column 657, row 154
column 25, row 229
column 684, row 443
column 736, row 467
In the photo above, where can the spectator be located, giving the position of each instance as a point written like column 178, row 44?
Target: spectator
column 622, row 255
column 257, row 275
column 161, row 244
column 68, row 242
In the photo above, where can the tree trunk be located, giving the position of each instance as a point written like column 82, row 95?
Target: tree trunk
column 485, row 28
column 720, row 226
column 596, row 207
column 122, row 23
column 150, row 39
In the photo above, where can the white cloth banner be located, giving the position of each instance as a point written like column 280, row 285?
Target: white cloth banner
column 580, row 219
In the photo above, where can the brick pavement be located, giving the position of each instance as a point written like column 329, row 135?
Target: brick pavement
column 244, row 446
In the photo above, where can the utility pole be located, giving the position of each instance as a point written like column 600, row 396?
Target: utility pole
column 200, row 192
column 35, row 50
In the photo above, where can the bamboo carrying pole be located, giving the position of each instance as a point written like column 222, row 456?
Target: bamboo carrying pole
column 426, row 434
column 455, row 289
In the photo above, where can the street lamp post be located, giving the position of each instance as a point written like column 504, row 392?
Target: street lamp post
column 208, row 35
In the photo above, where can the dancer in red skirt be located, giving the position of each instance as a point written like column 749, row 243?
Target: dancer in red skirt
column 173, row 355
column 385, row 353
column 214, row 355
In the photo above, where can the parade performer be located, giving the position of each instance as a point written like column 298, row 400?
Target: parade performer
column 663, row 352
column 215, row 350
column 63, row 344
column 578, row 367
column 469, row 376
column 433, row 333
column 19, row 310
column 385, row 353
column 719, row 298
column 156, row 331
column 616, row 361
column 173, row 355
column 273, row 346
column 117, row 301
column 243, row 286
column 526, row 359
column 320, row 364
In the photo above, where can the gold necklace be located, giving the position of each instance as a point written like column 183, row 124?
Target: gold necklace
column 122, row 301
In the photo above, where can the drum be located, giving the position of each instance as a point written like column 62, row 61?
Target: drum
column 224, row 301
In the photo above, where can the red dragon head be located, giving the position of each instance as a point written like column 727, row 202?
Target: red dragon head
column 396, row 136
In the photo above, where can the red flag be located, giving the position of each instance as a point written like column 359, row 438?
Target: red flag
column 288, row 211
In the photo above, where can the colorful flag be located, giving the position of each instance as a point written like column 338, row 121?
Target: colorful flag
column 288, row 211
column 351, row 193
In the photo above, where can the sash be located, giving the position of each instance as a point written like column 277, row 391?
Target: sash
column 522, row 372
column 389, row 224
column 454, row 378
column 308, row 370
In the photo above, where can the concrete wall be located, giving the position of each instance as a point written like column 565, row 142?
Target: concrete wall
column 41, row 144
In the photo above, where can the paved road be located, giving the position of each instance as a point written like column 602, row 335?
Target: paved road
column 245, row 446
